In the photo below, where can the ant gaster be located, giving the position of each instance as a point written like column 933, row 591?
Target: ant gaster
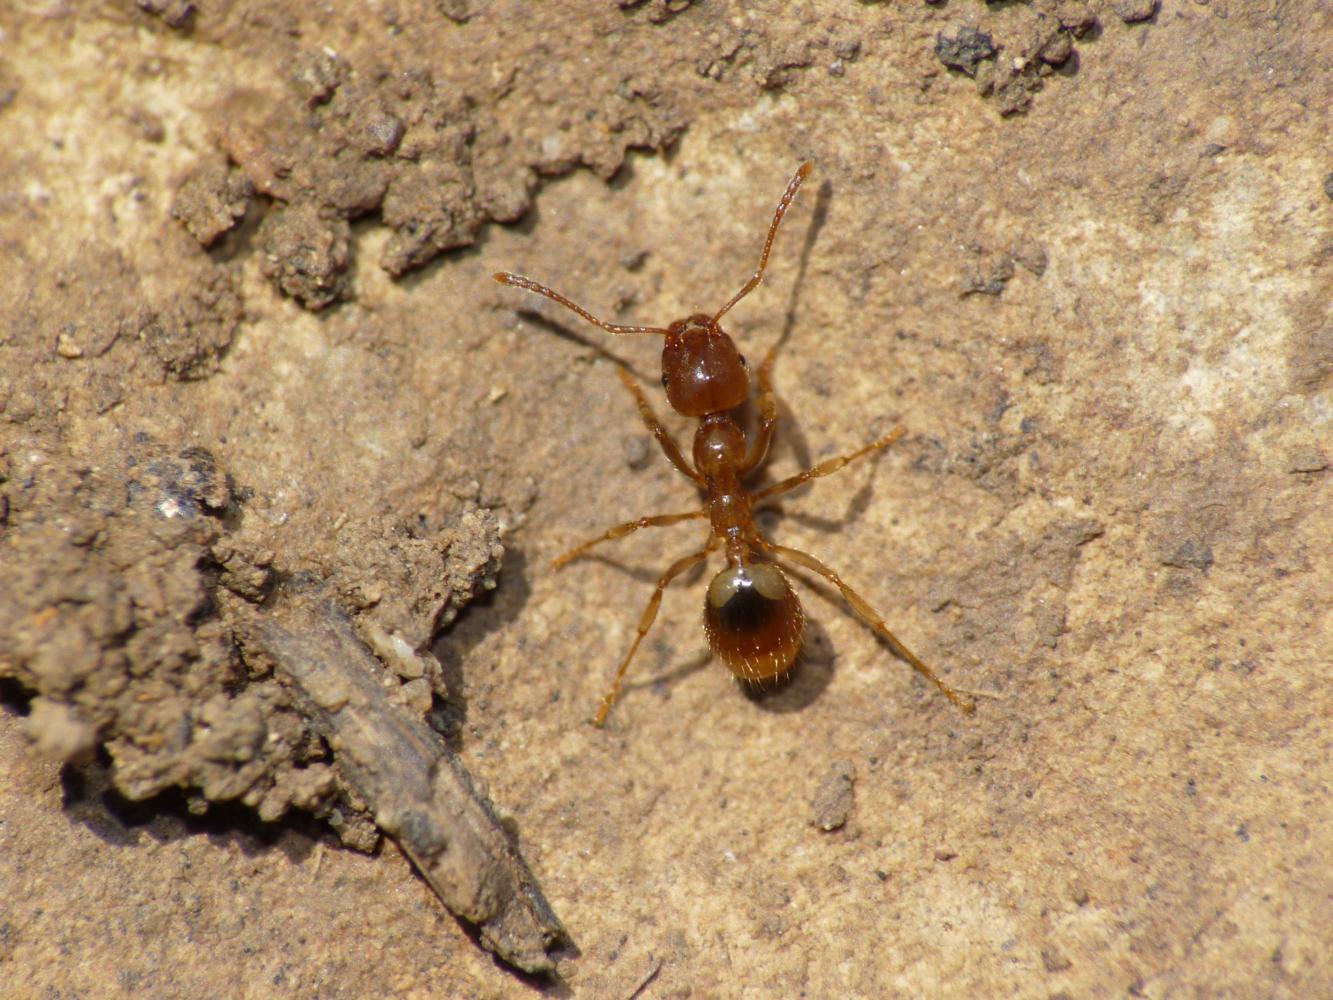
column 752, row 617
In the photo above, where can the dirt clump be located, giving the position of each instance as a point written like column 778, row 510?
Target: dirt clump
column 211, row 199
column 1012, row 50
column 115, row 629
column 124, row 576
column 345, row 141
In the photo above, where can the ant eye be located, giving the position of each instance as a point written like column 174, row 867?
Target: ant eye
column 664, row 380
column 744, row 364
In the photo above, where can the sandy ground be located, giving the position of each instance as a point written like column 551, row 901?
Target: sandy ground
column 250, row 352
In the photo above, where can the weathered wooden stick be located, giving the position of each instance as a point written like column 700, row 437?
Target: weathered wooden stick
column 416, row 788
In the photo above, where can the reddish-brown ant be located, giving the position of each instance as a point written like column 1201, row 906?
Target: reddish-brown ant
column 752, row 617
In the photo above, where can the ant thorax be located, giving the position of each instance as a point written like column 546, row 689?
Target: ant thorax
column 719, row 446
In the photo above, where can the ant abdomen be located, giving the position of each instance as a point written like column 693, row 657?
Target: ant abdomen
column 753, row 620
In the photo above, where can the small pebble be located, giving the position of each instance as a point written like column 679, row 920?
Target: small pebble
column 832, row 802
column 637, row 452
column 1130, row 11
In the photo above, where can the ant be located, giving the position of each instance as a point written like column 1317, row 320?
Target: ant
column 752, row 617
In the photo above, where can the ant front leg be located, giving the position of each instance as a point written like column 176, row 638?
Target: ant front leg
column 768, row 414
column 621, row 530
column 646, row 623
column 828, row 467
column 664, row 438
column 867, row 614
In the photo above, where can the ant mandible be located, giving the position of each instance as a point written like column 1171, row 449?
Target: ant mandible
column 752, row 617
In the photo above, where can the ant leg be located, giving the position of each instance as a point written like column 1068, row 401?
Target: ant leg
column 768, row 414
column 645, row 623
column 664, row 438
column 621, row 530
column 867, row 614
column 828, row 467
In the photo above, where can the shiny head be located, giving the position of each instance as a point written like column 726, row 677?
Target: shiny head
column 702, row 372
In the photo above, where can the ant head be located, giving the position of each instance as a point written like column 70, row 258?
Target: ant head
column 702, row 371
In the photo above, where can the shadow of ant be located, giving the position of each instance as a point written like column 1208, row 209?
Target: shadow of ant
column 791, row 438
column 802, row 685
column 567, row 333
column 795, row 690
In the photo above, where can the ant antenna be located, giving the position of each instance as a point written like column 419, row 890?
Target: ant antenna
column 783, row 205
column 527, row 284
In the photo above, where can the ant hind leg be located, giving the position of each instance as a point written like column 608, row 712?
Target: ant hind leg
column 867, row 614
column 646, row 623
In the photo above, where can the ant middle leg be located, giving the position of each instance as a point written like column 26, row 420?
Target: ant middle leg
column 664, row 438
column 646, row 623
column 867, row 614
column 628, row 528
column 828, row 467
